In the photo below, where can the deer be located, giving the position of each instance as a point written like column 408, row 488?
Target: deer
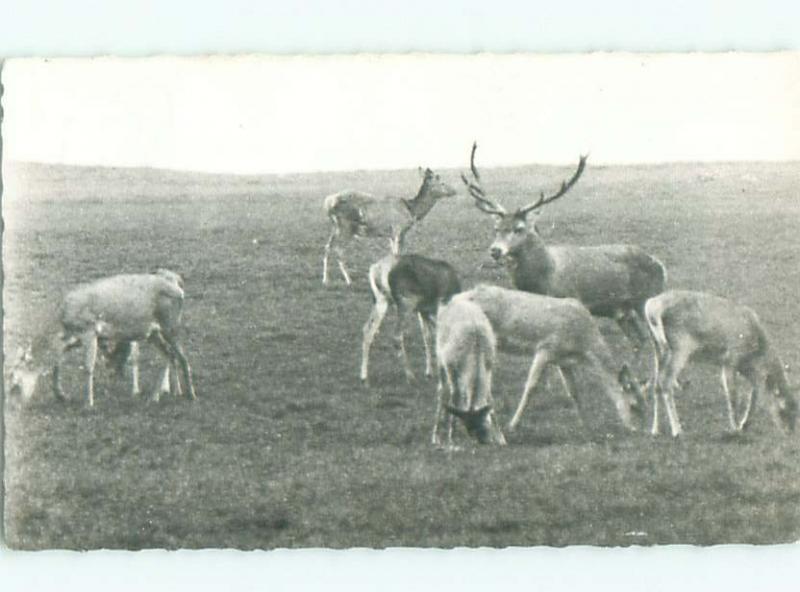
column 559, row 332
column 110, row 313
column 687, row 326
column 407, row 282
column 355, row 215
column 610, row 280
column 117, row 355
column 466, row 351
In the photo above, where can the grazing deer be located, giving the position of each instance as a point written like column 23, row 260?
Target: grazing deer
column 694, row 325
column 610, row 280
column 355, row 214
column 118, row 310
column 465, row 346
column 127, row 352
column 559, row 332
column 407, row 281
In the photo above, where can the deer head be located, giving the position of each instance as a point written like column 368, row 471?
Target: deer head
column 786, row 411
column 480, row 424
column 784, row 397
column 633, row 393
column 433, row 189
column 23, row 374
column 512, row 229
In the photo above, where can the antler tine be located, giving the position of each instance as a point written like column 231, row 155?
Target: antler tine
column 484, row 205
column 565, row 186
column 472, row 161
column 473, row 188
column 482, row 202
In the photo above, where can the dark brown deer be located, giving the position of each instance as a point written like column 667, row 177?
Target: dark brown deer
column 407, row 282
column 612, row 281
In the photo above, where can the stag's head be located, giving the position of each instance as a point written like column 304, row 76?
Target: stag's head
column 23, row 374
column 513, row 230
column 480, row 424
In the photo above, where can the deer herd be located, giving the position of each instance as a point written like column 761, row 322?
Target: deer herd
column 550, row 314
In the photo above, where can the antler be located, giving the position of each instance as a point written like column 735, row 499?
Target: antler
column 565, row 186
column 482, row 202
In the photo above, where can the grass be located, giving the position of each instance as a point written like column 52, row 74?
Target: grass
column 285, row 447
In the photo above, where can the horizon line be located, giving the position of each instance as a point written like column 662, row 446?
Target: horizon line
column 601, row 164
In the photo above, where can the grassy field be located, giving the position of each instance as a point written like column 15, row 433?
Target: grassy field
column 285, row 448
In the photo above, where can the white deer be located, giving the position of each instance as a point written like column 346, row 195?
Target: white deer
column 355, row 214
column 117, row 310
column 610, row 280
column 695, row 325
column 559, row 332
column 465, row 346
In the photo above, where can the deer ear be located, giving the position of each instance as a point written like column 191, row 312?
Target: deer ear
column 421, row 172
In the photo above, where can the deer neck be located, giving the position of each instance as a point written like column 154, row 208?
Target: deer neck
column 420, row 204
column 531, row 266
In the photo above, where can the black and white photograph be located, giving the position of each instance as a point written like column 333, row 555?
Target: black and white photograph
column 384, row 300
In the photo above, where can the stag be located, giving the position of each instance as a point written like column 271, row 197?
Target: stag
column 612, row 281
column 355, row 214
column 695, row 325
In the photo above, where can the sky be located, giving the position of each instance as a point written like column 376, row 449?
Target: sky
column 294, row 114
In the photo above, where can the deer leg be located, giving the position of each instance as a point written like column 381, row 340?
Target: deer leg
column 454, row 400
column 173, row 380
column 165, row 382
column 180, row 356
column 633, row 326
column 90, row 342
column 400, row 338
column 669, row 382
column 67, row 344
column 439, row 407
column 327, row 254
column 728, row 379
column 571, row 385
column 425, row 329
column 163, row 386
column 654, row 389
column 58, row 391
column 567, row 386
column 342, row 266
column 371, row 328
column 176, row 355
column 540, row 361
column 755, row 382
column 133, row 359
